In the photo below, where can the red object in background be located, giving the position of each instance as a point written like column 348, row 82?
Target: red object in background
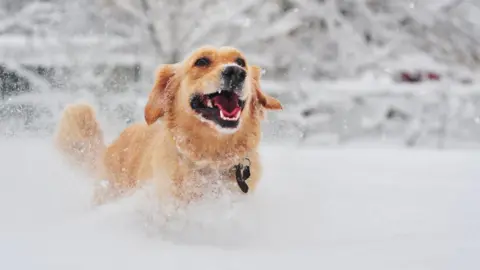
column 433, row 76
column 405, row 77
column 415, row 77
column 409, row 77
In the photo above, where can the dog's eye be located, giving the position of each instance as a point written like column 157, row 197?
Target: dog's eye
column 202, row 62
column 240, row 62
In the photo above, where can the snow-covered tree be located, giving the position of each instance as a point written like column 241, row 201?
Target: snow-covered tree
column 346, row 39
column 313, row 51
column 342, row 38
column 168, row 30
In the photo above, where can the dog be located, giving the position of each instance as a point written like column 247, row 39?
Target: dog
column 202, row 122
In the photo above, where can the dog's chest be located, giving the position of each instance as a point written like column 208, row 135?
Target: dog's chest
column 207, row 182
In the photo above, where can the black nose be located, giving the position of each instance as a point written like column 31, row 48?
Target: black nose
column 233, row 77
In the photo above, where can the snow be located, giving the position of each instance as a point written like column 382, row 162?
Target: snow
column 336, row 208
column 58, row 52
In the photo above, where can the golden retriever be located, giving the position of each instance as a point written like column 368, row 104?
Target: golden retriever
column 210, row 107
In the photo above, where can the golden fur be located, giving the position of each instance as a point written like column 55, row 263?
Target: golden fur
column 178, row 150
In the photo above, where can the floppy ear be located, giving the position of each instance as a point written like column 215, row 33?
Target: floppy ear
column 268, row 102
column 159, row 97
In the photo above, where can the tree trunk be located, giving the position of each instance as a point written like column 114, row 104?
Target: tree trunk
column 157, row 45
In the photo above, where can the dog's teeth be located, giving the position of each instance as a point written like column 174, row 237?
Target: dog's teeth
column 235, row 118
column 222, row 115
column 219, row 91
column 209, row 103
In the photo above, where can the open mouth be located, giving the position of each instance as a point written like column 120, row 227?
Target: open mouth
column 223, row 107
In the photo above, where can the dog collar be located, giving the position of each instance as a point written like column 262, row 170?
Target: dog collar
column 242, row 173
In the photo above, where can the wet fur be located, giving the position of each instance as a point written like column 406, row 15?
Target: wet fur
column 178, row 150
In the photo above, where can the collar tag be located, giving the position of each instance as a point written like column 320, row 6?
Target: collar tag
column 242, row 173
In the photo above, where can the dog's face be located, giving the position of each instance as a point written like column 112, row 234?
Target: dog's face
column 214, row 85
column 214, row 92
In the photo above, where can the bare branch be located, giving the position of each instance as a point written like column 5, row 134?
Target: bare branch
column 151, row 28
column 447, row 8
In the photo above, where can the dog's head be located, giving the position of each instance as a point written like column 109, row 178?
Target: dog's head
column 213, row 92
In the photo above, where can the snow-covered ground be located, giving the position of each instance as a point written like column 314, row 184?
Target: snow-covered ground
column 315, row 209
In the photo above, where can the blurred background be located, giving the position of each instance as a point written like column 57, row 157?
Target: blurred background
column 376, row 72
column 363, row 82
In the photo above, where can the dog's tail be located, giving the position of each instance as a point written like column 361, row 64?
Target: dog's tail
column 79, row 137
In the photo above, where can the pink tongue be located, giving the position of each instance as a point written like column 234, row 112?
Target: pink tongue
column 229, row 106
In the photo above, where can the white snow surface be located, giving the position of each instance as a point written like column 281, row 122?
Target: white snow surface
column 315, row 208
